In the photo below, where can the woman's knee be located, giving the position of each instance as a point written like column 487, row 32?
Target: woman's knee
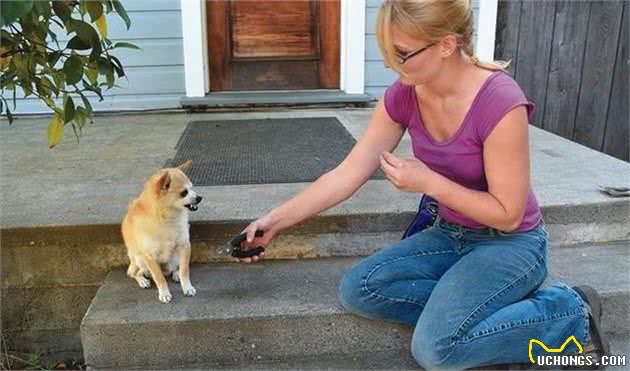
column 430, row 350
column 351, row 289
column 432, row 342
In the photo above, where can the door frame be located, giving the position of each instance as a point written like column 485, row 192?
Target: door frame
column 352, row 47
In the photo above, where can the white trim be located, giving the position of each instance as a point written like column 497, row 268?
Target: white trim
column 487, row 26
column 352, row 62
column 195, row 49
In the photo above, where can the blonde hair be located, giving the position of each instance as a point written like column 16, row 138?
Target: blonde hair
column 430, row 20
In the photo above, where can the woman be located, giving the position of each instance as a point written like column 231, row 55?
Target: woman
column 470, row 283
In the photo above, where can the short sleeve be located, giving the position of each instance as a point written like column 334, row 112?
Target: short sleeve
column 503, row 97
column 397, row 100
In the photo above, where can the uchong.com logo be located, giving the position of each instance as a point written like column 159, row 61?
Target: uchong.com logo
column 579, row 359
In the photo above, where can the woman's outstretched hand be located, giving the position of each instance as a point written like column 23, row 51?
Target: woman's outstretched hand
column 407, row 174
column 264, row 224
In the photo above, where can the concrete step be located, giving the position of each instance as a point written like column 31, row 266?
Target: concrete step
column 391, row 360
column 285, row 314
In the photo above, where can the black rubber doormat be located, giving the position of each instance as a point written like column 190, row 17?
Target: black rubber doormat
column 295, row 150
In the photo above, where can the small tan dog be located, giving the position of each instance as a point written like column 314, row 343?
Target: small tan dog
column 155, row 231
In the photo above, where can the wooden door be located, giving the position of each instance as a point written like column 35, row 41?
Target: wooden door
column 273, row 44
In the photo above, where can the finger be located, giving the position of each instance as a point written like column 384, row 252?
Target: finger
column 392, row 159
column 250, row 234
column 255, row 258
column 387, row 167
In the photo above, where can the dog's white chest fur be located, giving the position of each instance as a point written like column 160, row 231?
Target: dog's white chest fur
column 165, row 238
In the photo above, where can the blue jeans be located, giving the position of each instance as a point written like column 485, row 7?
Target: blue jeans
column 474, row 296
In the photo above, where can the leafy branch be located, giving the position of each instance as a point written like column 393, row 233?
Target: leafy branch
column 30, row 61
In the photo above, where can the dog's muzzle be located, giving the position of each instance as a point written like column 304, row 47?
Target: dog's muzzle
column 193, row 206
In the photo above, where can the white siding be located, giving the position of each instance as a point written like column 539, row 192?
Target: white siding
column 155, row 73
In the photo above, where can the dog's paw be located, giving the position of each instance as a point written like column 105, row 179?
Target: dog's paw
column 189, row 290
column 175, row 276
column 165, row 297
column 144, row 283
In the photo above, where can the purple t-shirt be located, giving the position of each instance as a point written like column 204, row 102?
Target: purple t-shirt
column 460, row 158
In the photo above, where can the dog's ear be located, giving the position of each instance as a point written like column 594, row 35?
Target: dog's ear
column 164, row 182
column 185, row 166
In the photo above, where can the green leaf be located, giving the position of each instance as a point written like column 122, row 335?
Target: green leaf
column 21, row 67
column 86, row 103
column 79, row 116
column 104, row 66
column 40, row 59
column 76, row 135
column 96, row 51
column 9, row 115
column 82, row 7
column 123, row 44
column 73, row 69
column 118, row 66
column 49, row 85
column 53, row 58
column 58, row 111
column 12, row 10
column 41, row 89
column 43, row 8
column 68, row 109
column 77, row 43
column 84, row 30
column 122, row 12
column 55, row 131
column 59, row 77
column 95, row 9
column 40, row 30
column 49, row 101
column 110, row 80
column 92, row 75
column 7, row 39
column 62, row 10
column 94, row 89
column 27, row 86
column 108, row 5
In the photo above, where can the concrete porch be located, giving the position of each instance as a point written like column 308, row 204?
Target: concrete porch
column 61, row 209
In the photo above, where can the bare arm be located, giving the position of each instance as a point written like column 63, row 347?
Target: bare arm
column 506, row 163
column 339, row 184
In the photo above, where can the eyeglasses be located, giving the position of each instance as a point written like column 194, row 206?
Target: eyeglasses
column 407, row 57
